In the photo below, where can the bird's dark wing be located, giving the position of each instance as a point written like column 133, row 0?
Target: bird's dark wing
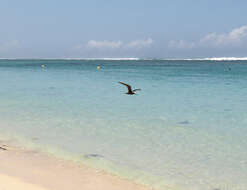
column 128, row 86
column 136, row 89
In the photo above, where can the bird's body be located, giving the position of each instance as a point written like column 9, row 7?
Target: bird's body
column 130, row 91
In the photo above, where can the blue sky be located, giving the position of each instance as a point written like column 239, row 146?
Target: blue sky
column 129, row 28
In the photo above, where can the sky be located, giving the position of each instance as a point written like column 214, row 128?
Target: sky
column 127, row 28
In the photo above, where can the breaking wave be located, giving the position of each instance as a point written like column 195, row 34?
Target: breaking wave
column 215, row 59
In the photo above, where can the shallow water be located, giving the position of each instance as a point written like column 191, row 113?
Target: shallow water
column 186, row 128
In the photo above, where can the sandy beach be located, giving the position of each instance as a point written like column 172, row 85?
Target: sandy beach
column 22, row 169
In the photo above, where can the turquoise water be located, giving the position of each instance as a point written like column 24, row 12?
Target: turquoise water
column 187, row 128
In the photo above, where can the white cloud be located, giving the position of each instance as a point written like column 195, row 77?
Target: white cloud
column 140, row 43
column 114, row 45
column 104, row 44
column 6, row 46
column 181, row 44
column 234, row 38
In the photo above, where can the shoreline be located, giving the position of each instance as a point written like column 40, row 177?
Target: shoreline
column 29, row 169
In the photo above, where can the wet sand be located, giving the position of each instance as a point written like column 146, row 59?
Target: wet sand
column 22, row 169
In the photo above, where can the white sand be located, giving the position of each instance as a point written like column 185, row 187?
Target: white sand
column 21, row 169
column 12, row 183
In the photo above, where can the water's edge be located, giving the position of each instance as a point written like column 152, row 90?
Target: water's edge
column 94, row 161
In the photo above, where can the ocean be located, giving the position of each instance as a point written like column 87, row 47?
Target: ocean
column 186, row 128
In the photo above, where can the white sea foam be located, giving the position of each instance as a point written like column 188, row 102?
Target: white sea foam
column 105, row 58
column 135, row 59
column 208, row 59
column 221, row 59
column 127, row 58
column 169, row 59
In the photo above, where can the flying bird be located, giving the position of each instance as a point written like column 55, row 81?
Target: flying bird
column 130, row 91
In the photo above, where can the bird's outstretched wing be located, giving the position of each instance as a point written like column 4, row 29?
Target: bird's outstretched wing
column 128, row 86
column 136, row 89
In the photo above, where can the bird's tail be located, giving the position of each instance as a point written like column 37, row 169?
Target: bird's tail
column 136, row 89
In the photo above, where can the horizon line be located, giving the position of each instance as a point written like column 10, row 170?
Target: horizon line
column 137, row 59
